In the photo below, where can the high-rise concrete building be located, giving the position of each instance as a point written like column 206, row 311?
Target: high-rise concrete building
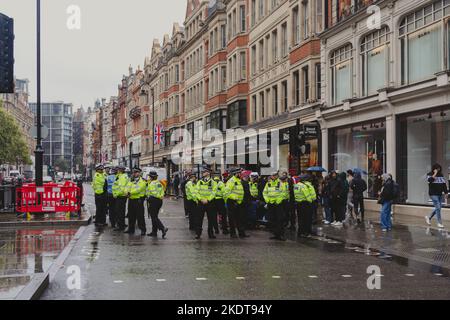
column 58, row 146
column 78, row 140
column 17, row 105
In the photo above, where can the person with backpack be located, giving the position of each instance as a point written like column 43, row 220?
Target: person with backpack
column 387, row 196
column 437, row 188
column 358, row 186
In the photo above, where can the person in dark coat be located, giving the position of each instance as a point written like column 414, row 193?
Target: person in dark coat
column 176, row 185
column 326, row 200
column 183, row 190
column 338, row 196
column 358, row 186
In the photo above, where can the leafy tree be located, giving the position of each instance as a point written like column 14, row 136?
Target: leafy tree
column 62, row 165
column 13, row 147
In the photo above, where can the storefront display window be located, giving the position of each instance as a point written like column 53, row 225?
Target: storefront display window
column 362, row 146
column 423, row 141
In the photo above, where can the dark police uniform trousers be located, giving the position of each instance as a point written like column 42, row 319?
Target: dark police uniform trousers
column 121, row 206
column 192, row 208
column 222, row 213
column 154, row 205
column 101, row 208
column 112, row 210
column 237, row 216
column 277, row 216
column 305, row 217
column 210, row 211
column 136, row 212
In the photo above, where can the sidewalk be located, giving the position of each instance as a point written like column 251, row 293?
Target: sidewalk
column 411, row 240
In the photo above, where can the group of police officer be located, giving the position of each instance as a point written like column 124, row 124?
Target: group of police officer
column 232, row 197
column 114, row 189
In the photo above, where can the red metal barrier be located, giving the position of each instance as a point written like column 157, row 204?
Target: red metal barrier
column 49, row 198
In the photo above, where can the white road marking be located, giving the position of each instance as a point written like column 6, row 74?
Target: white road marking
column 346, row 276
column 161, row 280
column 201, row 279
column 240, row 278
column 438, row 274
column 313, row 277
column 276, row 277
column 410, row 275
column 118, row 281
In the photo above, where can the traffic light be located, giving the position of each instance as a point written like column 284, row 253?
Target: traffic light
column 6, row 54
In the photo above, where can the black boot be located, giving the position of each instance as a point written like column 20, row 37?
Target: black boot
column 211, row 234
column 165, row 233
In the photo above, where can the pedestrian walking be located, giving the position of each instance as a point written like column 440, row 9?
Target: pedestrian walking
column 191, row 199
column 120, row 193
column 155, row 195
column 137, row 189
column 206, row 193
column 111, row 178
column 386, row 198
column 437, row 189
column 234, row 197
column 274, row 195
column 100, row 187
column 358, row 187
column 305, row 195
column 219, row 205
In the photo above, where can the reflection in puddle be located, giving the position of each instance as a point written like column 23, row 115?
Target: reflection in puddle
column 26, row 252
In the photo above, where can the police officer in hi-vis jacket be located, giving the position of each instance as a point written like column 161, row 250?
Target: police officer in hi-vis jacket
column 137, row 189
column 155, row 194
column 275, row 193
column 100, row 186
column 120, row 194
column 237, row 210
column 305, row 195
column 206, row 194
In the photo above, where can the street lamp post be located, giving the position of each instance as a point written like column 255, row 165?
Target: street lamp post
column 153, row 126
column 39, row 152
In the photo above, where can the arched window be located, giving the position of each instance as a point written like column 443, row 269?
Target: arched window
column 375, row 60
column 341, row 62
column 422, row 41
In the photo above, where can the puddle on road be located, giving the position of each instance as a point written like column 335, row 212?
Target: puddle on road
column 25, row 252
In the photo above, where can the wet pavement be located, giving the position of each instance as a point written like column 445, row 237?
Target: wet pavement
column 25, row 253
column 10, row 219
column 412, row 243
column 117, row 266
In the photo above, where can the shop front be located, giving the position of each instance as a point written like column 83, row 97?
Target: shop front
column 360, row 146
column 304, row 147
column 423, row 140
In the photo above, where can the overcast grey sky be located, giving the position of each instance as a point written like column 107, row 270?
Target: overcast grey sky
column 79, row 66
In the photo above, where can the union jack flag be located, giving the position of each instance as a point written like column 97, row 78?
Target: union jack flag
column 159, row 134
